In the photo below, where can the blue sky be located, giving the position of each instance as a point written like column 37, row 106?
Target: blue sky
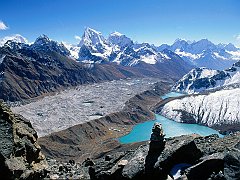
column 153, row 21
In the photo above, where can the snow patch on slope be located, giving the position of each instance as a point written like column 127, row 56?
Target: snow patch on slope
column 73, row 49
column 149, row 59
column 2, row 58
column 207, row 73
column 187, row 54
column 235, row 54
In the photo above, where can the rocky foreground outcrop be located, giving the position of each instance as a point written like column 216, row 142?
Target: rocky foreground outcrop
column 20, row 155
column 191, row 157
column 186, row 157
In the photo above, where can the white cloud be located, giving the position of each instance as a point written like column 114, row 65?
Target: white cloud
column 77, row 37
column 3, row 26
column 238, row 37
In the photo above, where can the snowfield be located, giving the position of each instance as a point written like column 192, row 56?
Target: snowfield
column 82, row 104
column 217, row 108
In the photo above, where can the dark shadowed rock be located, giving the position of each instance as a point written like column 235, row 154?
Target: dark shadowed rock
column 208, row 157
column 232, row 165
column 146, row 163
column 208, row 165
column 20, row 155
column 178, row 150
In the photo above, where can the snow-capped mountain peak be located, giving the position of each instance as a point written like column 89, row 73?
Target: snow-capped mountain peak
column 119, row 39
column 43, row 43
column 73, row 49
column 92, row 37
column 202, row 45
column 179, row 44
column 14, row 38
column 204, row 53
column 230, row 47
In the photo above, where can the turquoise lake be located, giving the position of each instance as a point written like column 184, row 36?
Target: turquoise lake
column 142, row 132
column 171, row 94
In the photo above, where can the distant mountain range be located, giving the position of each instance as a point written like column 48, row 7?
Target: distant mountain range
column 32, row 69
column 204, row 53
column 95, row 48
column 45, row 66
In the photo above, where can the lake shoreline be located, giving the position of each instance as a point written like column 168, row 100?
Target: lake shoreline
column 138, row 132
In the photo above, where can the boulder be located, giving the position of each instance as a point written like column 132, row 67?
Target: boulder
column 178, row 150
column 209, row 165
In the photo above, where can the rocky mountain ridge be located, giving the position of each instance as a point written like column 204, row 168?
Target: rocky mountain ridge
column 28, row 73
column 202, row 79
column 185, row 157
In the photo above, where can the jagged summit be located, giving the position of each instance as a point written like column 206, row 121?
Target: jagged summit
column 42, row 39
column 204, row 53
column 44, row 44
column 230, row 47
column 91, row 37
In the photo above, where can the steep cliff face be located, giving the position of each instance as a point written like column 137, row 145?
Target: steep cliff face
column 20, row 155
column 218, row 109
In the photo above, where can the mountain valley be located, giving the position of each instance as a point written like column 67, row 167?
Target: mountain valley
column 81, row 104
column 81, row 98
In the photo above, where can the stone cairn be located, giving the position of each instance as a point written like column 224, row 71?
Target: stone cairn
column 157, row 141
column 156, row 146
